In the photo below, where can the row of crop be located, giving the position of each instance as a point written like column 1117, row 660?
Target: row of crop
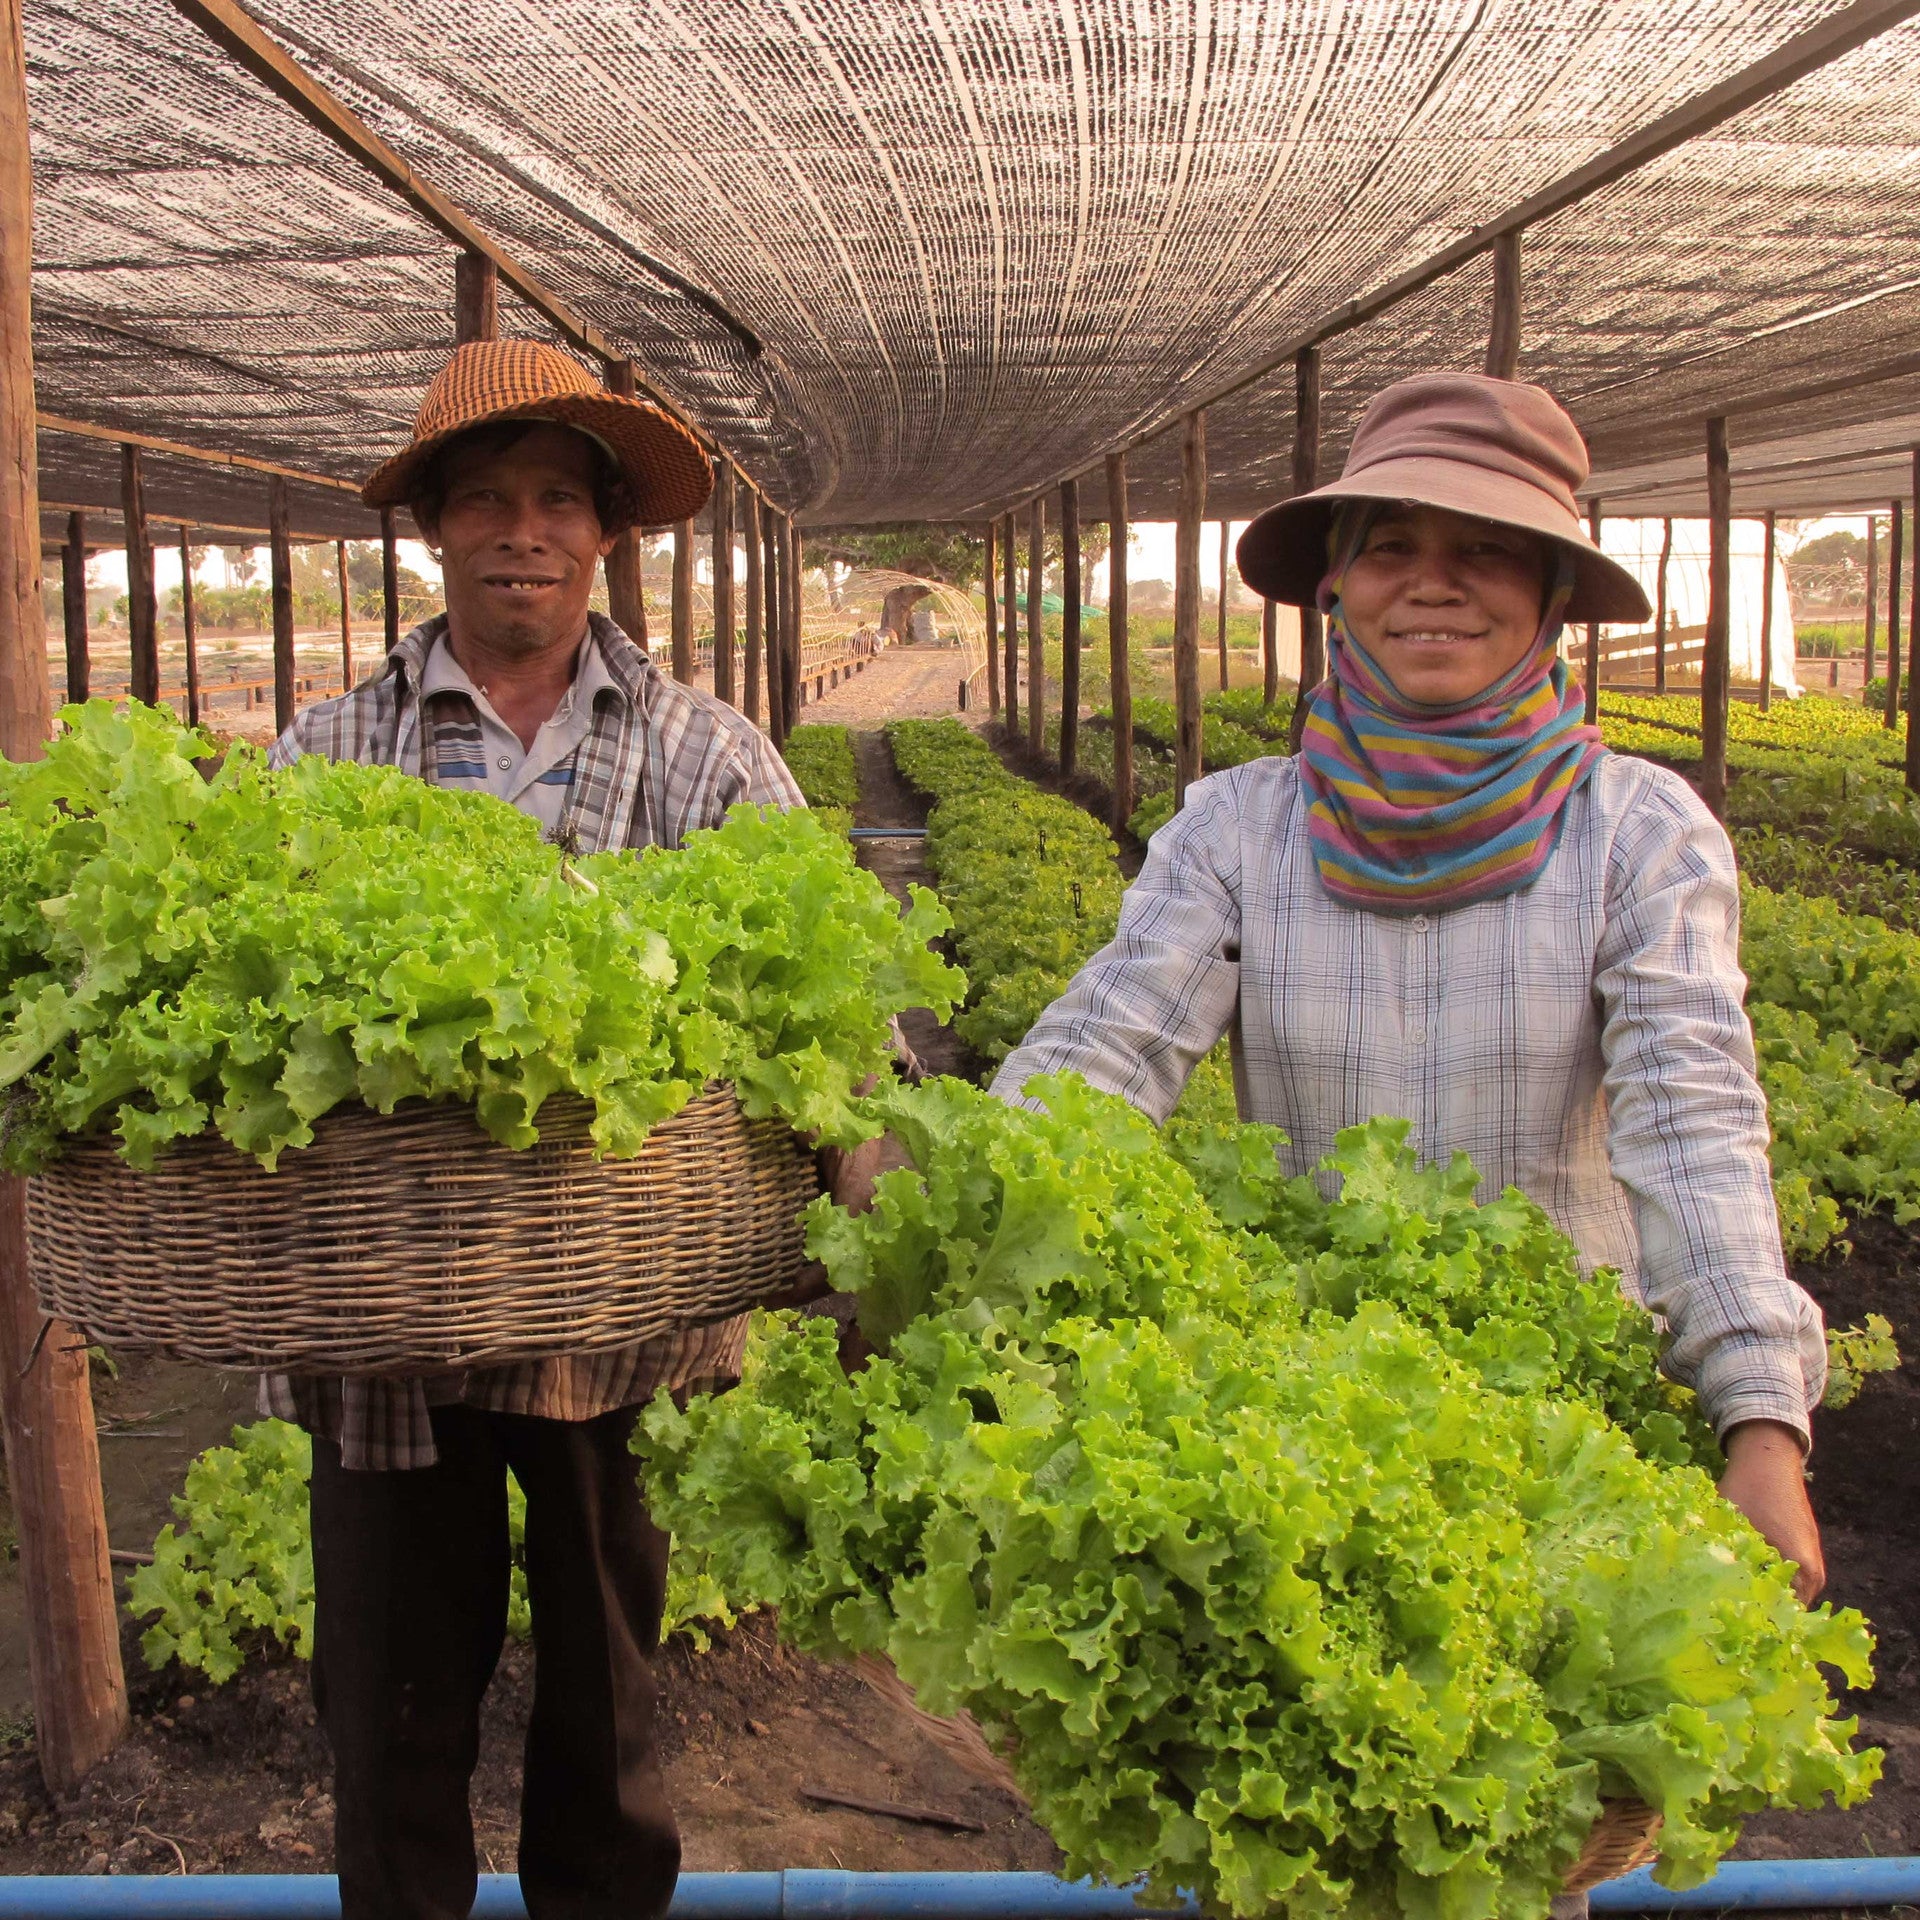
column 820, row 758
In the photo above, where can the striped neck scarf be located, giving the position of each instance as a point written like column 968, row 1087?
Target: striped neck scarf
column 1413, row 807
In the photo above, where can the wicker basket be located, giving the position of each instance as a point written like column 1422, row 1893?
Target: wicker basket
column 412, row 1243
column 1624, row 1837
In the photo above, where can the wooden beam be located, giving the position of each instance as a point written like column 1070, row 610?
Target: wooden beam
column 1766, row 617
column 1593, row 628
column 476, row 298
column 390, row 576
column 1503, row 335
column 776, row 567
column 1873, row 590
column 281, row 551
column 190, row 626
column 722, row 544
column 1010, row 625
column 1714, row 663
column 1119, row 660
column 1186, row 606
column 1069, row 626
column 1226, row 561
column 1895, row 533
column 754, row 637
column 1660, row 609
column 1913, row 638
column 143, row 644
column 73, row 605
column 681, row 623
column 346, row 615
column 1306, row 476
column 1036, row 627
column 993, row 627
column 626, row 591
column 178, row 450
column 46, row 1407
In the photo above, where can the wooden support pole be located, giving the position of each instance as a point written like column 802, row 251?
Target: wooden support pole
column 1714, row 655
column 795, row 608
column 73, row 605
column 1593, row 629
column 46, row 1408
column 626, row 593
column 1119, row 660
column 776, row 568
column 1226, row 561
column 1873, row 591
column 1766, row 618
column 1660, row 609
column 190, row 626
column 1306, row 476
column 1269, row 652
column 476, row 299
column 1036, row 625
column 1913, row 638
column 143, row 638
column 346, row 615
column 390, row 576
column 1895, row 533
column 722, row 543
column 993, row 625
column 1069, row 626
column 681, row 624
column 1503, row 336
column 754, row 637
column 280, row 548
column 1186, row 606
column 1010, row 624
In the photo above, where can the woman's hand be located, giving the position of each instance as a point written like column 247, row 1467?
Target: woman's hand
column 1766, row 1479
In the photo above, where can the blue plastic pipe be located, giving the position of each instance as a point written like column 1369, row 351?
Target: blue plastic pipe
column 886, row 833
column 805, row 1894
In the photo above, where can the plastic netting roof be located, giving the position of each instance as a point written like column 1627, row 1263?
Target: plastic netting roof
column 913, row 258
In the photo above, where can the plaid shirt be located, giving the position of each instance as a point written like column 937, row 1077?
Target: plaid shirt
column 659, row 761
column 1583, row 1040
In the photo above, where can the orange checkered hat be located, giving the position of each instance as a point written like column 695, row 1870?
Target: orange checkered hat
column 493, row 380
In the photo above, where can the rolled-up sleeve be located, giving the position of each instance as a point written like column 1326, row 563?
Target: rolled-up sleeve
column 1152, row 1001
column 1688, row 1122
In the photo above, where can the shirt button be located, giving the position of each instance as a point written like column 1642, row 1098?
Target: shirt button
column 1418, row 1035
column 1419, row 923
column 504, row 764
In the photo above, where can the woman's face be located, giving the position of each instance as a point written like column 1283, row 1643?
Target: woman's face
column 1444, row 603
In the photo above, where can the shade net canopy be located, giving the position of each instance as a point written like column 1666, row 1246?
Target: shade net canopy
column 909, row 260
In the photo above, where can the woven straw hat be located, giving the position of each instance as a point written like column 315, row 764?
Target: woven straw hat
column 493, row 380
column 1497, row 449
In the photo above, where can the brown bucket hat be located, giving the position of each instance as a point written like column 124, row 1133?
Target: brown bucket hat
column 488, row 381
column 1497, row 449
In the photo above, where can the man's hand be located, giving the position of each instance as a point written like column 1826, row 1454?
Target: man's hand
column 1766, row 1479
column 849, row 1172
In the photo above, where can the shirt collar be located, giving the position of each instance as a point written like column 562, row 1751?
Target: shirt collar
column 609, row 660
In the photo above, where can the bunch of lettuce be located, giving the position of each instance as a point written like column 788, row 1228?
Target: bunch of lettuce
column 1280, row 1590
column 248, row 950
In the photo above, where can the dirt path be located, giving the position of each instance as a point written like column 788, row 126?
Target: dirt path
column 903, row 683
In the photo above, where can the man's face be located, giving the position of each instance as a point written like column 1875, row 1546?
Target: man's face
column 518, row 537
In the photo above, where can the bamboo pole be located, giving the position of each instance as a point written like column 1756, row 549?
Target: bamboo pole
column 190, row 627
column 1895, row 532
column 775, row 568
column 1069, row 625
column 46, row 1407
column 1766, row 619
column 626, row 592
column 1913, row 638
column 280, row 549
column 993, row 625
column 1036, row 626
column 1503, row 336
column 1714, row 662
column 722, row 544
column 1010, row 625
column 143, row 640
column 1226, row 527
column 754, row 636
column 73, row 605
column 1186, row 606
column 476, row 298
column 390, row 576
column 1306, row 476
column 1119, row 660
column 346, row 615
column 1593, row 630
column 1660, row 609
column 1873, row 591
column 681, row 625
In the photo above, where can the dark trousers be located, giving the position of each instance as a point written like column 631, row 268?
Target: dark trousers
column 410, row 1580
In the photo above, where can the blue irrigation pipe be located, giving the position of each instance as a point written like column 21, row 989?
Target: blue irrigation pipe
column 886, row 833
column 806, row 1894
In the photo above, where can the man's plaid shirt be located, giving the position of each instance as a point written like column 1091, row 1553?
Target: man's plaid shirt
column 659, row 761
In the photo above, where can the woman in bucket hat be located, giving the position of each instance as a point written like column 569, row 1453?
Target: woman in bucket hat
column 1455, row 905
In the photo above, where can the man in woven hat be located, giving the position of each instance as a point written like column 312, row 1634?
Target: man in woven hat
column 520, row 475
